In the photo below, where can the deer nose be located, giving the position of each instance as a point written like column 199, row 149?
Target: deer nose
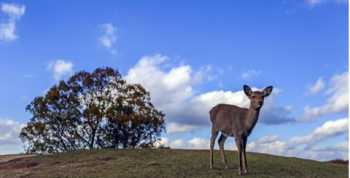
column 260, row 103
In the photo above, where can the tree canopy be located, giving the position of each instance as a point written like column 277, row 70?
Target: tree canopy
column 92, row 110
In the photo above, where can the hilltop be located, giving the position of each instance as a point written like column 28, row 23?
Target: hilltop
column 161, row 163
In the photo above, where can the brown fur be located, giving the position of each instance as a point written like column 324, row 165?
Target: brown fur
column 238, row 122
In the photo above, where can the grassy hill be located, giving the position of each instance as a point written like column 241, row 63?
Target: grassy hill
column 161, row 163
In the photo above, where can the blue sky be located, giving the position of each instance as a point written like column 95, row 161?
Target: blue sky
column 201, row 54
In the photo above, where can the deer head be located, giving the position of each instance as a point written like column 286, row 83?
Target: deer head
column 257, row 97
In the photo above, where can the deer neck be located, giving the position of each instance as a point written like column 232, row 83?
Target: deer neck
column 251, row 118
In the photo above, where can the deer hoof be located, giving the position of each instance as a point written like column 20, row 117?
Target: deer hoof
column 245, row 171
column 239, row 172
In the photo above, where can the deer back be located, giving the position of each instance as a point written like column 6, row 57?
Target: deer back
column 228, row 119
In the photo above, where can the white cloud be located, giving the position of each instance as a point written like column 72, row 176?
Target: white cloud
column 318, row 2
column 9, row 136
column 8, row 32
column 205, row 73
column 268, row 144
column 306, row 146
column 178, row 128
column 250, row 74
column 343, row 146
column 276, row 146
column 8, row 28
column 172, row 91
column 326, row 130
column 13, row 10
column 325, row 153
column 198, row 143
column 272, row 144
column 108, row 37
column 337, row 100
column 193, row 143
column 163, row 141
column 60, row 68
column 169, row 89
column 270, row 114
column 317, row 86
column 214, row 97
column 178, row 143
column 200, row 105
column 313, row 2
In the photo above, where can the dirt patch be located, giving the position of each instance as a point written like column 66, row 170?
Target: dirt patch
column 339, row 161
column 6, row 158
column 87, row 165
column 152, row 163
column 19, row 163
column 55, row 163
column 105, row 158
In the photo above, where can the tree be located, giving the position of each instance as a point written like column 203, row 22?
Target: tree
column 136, row 123
column 92, row 110
column 55, row 120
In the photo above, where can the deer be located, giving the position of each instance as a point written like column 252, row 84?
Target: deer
column 237, row 122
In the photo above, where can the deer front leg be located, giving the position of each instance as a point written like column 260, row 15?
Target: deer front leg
column 245, row 165
column 214, row 134
column 222, row 140
column 239, row 144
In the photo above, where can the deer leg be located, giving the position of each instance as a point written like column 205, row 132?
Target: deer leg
column 239, row 149
column 214, row 134
column 245, row 165
column 221, row 141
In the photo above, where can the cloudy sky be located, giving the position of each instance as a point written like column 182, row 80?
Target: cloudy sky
column 190, row 55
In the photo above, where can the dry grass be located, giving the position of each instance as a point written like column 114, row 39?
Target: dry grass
column 162, row 163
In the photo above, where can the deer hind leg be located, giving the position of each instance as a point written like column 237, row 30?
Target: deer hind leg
column 221, row 141
column 214, row 134
column 239, row 144
column 245, row 165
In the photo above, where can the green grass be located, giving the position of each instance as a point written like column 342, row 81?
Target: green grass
column 163, row 163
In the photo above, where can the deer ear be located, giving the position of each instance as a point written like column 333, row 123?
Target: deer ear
column 268, row 91
column 247, row 90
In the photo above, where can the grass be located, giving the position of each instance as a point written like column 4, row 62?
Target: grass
column 163, row 163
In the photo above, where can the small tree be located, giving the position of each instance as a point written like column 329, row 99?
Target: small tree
column 92, row 110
